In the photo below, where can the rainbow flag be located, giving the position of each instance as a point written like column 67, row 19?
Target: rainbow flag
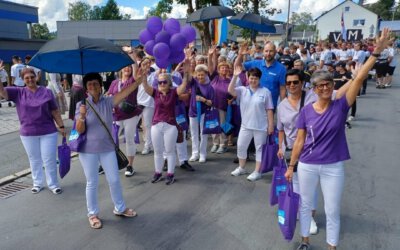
column 220, row 30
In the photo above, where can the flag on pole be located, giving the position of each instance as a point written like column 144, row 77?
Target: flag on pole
column 344, row 37
column 220, row 30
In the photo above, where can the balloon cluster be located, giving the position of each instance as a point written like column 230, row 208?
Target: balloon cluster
column 166, row 42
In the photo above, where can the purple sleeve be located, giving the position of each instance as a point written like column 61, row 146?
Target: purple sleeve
column 268, row 101
column 154, row 92
column 13, row 94
column 210, row 93
column 113, row 87
column 301, row 121
column 52, row 102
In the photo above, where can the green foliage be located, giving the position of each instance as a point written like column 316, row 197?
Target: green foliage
column 162, row 9
column 80, row 10
column 384, row 9
column 302, row 21
column 111, row 11
column 41, row 31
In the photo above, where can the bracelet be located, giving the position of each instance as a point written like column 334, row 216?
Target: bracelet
column 80, row 119
column 292, row 166
column 375, row 55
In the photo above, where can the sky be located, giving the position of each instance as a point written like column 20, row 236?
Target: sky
column 51, row 11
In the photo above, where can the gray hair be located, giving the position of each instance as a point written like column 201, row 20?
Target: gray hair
column 200, row 57
column 321, row 75
column 167, row 77
column 201, row 67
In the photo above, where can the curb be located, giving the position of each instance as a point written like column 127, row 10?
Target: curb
column 25, row 172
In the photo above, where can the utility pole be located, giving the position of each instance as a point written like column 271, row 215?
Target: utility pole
column 287, row 24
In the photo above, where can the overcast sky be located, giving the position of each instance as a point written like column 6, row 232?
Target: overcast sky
column 51, row 11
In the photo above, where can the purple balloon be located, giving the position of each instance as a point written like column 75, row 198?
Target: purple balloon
column 176, row 56
column 154, row 24
column 148, row 47
column 177, row 42
column 172, row 26
column 189, row 33
column 163, row 37
column 162, row 63
column 161, row 51
column 145, row 36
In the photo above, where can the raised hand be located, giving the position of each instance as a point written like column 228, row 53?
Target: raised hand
column 212, row 50
column 383, row 41
column 238, row 69
column 243, row 49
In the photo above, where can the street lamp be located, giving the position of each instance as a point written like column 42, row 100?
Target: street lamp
column 287, row 24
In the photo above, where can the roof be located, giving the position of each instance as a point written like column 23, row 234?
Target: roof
column 392, row 25
column 325, row 12
column 19, row 4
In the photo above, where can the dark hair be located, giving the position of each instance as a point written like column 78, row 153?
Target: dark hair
column 295, row 72
column 28, row 57
column 90, row 77
column 254, row 72
column 15, row 57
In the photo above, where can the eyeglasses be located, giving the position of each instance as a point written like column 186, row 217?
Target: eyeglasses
column 327, row 85
column 295, row 82
column 162, row 82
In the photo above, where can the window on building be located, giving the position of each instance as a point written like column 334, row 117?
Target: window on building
column 346, row 9
column 358, row 22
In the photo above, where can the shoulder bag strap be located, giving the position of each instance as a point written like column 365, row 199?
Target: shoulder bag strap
column 102, row 122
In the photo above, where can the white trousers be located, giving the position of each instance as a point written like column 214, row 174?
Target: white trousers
column 147, row 118
column 164, row 136
column 181, row 150
column 244, row 139
column 296, row 189
column 198, row 148
column 331, row 177
column 220, row 139
column 129, row 126
column 42, row 151
column 90, row 164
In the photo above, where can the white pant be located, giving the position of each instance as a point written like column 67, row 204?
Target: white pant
column 129, row 126
column 244, row 139
column 181, row 150
column 42, row 151
column 331, row 177
column 220, row 139
column 194, row 130
column 164, row 137
column 90, row 164
column 296, row 189
column 147, row 118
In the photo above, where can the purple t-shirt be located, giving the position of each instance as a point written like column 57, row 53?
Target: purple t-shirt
column 34, row 110
column 97, row 138
column 117, row 86
column 220, row 86
column 164, row 106
column 205, row 90
column 326, row 139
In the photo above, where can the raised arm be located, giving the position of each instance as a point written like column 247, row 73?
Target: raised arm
column 381, row 44
column 212, row 59
column 120, row 96
column 243, row 50
column 232, row 84
column 186, row 77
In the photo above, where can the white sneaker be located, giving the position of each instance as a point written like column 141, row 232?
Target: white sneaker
column 254, row 176
column 146, row 151
column 313, row 227
column 350, row 118
column 221, row 150
column 194, row 158
column 238, row 171
column 214, row 149
column 202, row 159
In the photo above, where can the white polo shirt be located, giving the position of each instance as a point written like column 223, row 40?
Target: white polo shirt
column 253, row 107
column 3, row 75
column 16, row 73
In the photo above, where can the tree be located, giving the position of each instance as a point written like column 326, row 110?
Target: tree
column 41, row 31
column 302, row 21
column 163, row 7
column 96, row 13
column 386, row 9
column 79, row 11
column 111, row 11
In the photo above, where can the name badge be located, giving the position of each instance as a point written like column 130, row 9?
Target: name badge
column 271, row 73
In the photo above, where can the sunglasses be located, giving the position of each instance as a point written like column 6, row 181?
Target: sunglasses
column 162, row 82
column 295, row 82
column 29, row 77
column 327, row 85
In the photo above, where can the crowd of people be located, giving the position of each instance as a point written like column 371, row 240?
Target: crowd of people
column 304, row 92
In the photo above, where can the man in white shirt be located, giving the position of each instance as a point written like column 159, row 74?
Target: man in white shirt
column 326, row 56
column 344, row 53
column 16, row 72
column 3, row 75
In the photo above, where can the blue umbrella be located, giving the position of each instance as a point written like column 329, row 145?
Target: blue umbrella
column 80, row 55
column 254, row 22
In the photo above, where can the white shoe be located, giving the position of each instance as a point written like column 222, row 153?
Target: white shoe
column 214, row 149
column 194, row 158
column 254, row 176
column 202, row 159
column 238, row 171
column 313, row 227
column 222, row 149
column 146, row 151
column 350, row 118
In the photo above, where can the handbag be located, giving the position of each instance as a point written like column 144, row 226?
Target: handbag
column 125, row 106
column 227, row 127
column 180, row 113
column 278, row 183
column 287, row 211
column 75, row 139
column 269, row 157
column 64, row 157
column 211, row 122
column 121, row 157
column 115, row 131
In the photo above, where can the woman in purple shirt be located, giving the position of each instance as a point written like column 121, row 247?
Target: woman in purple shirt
column 37, row 111
column 126, row 114
column 164, row 131
column 321, row 147
column 99, row 147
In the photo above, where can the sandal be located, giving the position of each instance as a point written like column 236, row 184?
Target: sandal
column 57, row 191
column 95, row 222
column 36, row 189
column 129, row 212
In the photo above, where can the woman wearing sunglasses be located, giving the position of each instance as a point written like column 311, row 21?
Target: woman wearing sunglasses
column 320, row 147
column 164, row 130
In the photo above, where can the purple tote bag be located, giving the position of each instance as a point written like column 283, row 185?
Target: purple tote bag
column 269, row 157
column 279, row 183
column 75, row 139
column 180, row 114
column 64, row 157
column 115, row 131
column 211, row 122
column 287, row 211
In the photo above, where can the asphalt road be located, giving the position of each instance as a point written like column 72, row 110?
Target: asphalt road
column 209, row 209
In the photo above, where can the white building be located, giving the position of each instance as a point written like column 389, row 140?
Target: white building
column 355, row 17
